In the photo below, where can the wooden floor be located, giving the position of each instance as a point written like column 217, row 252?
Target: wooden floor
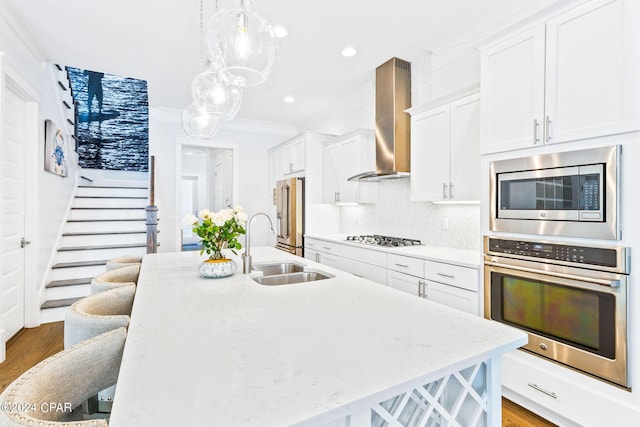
column 30, row 346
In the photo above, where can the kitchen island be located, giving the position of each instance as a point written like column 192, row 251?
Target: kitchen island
column 336, row 352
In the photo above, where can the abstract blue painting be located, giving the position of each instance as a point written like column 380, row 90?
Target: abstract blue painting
column 112, row 120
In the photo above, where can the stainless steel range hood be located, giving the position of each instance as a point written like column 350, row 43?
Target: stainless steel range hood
column 393, row 124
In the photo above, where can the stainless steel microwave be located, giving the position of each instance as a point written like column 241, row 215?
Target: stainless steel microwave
column 572, row 193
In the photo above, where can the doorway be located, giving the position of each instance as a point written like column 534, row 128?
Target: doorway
column 14, row 139
column 206, row 182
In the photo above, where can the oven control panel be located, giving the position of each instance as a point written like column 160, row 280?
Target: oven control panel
column 606, row 257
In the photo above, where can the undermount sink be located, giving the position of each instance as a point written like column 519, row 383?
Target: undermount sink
column 272, row 269
column 290, row 278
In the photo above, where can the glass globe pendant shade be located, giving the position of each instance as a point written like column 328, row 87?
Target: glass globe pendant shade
column 214, row 94
column 244, row 43
column 199, row 124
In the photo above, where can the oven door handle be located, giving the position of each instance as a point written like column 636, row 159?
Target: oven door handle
column 612, row 283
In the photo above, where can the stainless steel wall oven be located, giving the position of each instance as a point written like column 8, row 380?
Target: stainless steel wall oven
column 570, row 194
column 570, row 299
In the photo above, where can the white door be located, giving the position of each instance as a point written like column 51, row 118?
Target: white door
column 512, row 92
column 465, row 149
column 430, row 155
column 592, row 85
column 12, row 273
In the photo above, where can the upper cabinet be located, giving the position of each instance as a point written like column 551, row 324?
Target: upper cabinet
column 572, row 77
column 445, row 148
column 345, row 156
column 299, row 156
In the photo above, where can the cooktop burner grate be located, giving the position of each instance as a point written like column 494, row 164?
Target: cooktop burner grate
column 378, row 240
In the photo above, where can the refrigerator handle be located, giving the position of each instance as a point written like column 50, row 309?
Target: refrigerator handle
column 284, row 217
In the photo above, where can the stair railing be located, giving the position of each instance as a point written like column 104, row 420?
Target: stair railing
column 152, row 211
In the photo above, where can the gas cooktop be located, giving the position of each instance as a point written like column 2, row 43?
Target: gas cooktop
column 378, row 240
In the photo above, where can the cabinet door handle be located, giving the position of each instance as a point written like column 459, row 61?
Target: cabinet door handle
column 540, row 389
column 536, row 131
column 326, row 248
column 450, row 276
column 444, row 190
column 336, row 196
column 402, row 265
column 358, row 275
column 421, row 288
column 450, row 190
column 548, row 129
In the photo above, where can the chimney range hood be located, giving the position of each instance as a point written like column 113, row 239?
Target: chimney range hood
column 393, row 124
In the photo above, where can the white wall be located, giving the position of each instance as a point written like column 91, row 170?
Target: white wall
column 250, row 141
column 442, row 225
column 48, row 195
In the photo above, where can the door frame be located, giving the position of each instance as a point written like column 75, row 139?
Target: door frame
column 183, row 140
column 10, row 79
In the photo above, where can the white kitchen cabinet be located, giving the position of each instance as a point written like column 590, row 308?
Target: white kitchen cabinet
column 293, row 156
column 322, row 251
column 345, row 156
column 445, row 149
column 405, row 282
column 406, row 265
column 453, row 297
column 364, row 270
column 569, row 78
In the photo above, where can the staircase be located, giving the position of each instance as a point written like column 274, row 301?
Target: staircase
column 107, row 219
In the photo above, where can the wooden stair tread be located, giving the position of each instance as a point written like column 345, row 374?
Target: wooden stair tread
column 106, row 220
column 98, row 247
column 112, row 186
column 104, row 233
column 111, row 197
column 79, row 264
column 56, row 303
column 69, row 282
column 111, row 208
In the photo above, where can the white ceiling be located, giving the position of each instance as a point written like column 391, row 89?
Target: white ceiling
column 159, row 41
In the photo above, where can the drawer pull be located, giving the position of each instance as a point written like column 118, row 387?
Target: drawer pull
column 358, row 275
column 540, row 389
column 326, row 247
column 402, row 265
column 450, row 276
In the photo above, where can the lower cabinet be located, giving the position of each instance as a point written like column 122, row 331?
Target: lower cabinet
column 452, row 285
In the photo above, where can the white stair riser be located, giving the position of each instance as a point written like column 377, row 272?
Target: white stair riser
column 51, row 315
column 98, row 254
column 62, row 292
column 107, row 214
column 104, row 239
column 76, row 272
column 112, row 192
column 99, row 226
column 109, row 203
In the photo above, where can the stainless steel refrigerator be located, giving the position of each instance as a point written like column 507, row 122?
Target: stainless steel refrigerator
column 289, row 201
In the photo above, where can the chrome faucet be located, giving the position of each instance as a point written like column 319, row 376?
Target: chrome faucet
column 246, row 256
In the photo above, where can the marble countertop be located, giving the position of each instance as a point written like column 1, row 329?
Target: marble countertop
column 232, row 352
column 462, row 257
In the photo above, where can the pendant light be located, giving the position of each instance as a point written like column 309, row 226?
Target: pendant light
column 215, row 98
column 245, row 43
column 214, row 94
column 198, row 123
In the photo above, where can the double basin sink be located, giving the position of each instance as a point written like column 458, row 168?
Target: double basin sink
column 286, row 273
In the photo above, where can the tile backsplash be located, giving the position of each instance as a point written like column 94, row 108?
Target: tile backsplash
column 456, row 226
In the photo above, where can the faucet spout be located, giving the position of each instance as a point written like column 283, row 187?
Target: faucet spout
column 246, row 256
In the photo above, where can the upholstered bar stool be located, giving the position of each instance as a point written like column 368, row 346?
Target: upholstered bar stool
column 92, row 316
column 123, row 261
column 115, row 278
column 47, row 393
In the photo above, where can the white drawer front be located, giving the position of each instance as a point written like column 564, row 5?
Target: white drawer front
column 454, row 275
column 405, row 264
column 322, row 246
column 364, row 255
column 364, row 270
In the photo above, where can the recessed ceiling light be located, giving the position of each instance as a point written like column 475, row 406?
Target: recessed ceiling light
column 348, row 52
column 289, row 99
column 280, row 31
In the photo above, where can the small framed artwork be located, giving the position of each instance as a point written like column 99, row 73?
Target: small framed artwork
column 55, row 149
